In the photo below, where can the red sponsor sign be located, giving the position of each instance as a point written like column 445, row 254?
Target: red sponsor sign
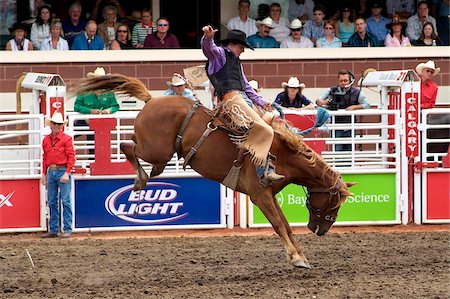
column 56, row 104
column 19, row 204
column 411, row 121
column 438, row 194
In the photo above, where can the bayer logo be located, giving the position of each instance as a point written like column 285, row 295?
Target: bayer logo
column 280, row 198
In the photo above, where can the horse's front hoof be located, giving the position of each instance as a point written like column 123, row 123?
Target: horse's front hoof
column 138, row 185
column 301, row 264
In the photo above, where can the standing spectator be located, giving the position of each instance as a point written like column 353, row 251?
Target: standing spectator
column 397, row 36
column 89, row 40
column 177, row 87
column 58, row 159
column 74, row 25
column 345, row 26
column 280, row 24
column 55, row 41
column 162, row 38
column 441, row 11
column 362, row 38
column 428, row 36
column 18, row 42
column 243, row 22
column 429, row 89
column 142, row 29
column 402, row 8
column 314, row 28
column 97, row 12
column 123, row 39
column 301, row 9
column 329, row 40
column 296, row 40
column 415, row 22
column 376, row 23
column 40, row 29
column 262, row 39
column 292, row 97
column 107, row 29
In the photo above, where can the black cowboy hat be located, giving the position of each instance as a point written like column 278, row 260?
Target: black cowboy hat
column 237, row 37
column 396, row 20
column 16, row 26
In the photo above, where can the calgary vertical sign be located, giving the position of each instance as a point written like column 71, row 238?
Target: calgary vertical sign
column 411, row 121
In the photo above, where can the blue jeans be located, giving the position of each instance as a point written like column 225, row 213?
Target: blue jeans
column 55, row 188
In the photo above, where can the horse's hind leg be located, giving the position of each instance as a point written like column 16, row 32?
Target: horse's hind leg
column 142, row 177
column 157, row 169
column 266, row 202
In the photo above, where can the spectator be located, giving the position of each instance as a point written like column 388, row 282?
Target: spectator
column 397, row 36
column 243, row 22
column 280, row 24
column 301, row 9
column 296, row 40
column 314, row 28
column 177, row 87
column 414, row 28
column 162, row 38
column 107, row 29
column 362, row 38
column 376, row 23
column 142, row 29
column 55, row 41
column 98, row 11
column 58, row 159
column 40, row 29
column 441, row 11
column 401, row 8
column 292, row 97
column 74, row 25
column 343, row 96
column 428, row 36
column 361, row 9
column 263, row 11
column 18, row 42
column 262, row 39
column 123, row 39
column 329, row 40
column 89, row 40
column 429, row 89
column 345, row 26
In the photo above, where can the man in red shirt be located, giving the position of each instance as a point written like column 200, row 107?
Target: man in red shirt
column 58, row 159
column 429, row 89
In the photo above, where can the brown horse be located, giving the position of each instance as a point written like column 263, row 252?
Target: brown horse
column 156, row 128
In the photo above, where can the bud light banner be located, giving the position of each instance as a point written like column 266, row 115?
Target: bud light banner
column 166, row 203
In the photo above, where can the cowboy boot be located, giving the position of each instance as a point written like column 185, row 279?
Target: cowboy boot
column 267, row 174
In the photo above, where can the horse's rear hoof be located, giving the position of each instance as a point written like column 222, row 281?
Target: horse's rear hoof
column 138, row 185
column 301, row 264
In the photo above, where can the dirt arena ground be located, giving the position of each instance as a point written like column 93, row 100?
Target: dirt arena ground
column 366, row 262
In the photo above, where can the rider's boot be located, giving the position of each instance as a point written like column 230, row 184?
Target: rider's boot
column 267, row 174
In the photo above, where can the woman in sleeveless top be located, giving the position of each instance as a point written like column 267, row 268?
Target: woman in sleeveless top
column 19, row 42
column 123, row 39
column 345, row 27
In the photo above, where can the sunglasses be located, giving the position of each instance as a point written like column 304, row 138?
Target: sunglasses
column 429, row 71
column 346, row 10
column 122, row 31
column 56, row 124
column 296, row 29
column 162, row 25
column 329, row 28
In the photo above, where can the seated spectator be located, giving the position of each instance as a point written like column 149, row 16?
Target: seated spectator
column 428, row 36
column 314, row 27
column 397, row 36
column 123, row 39
column 162, row 38
column 300, row 9
column 296, row 40
column 18, row 42
column 402, row 8
column 262, row 39
column 362, row 38
column 441, row 11
column 89, row 40
column 177, row 87
column 292, row 97
column 329, row 40
column 40, row 29
column 414, row 28
column 376, row 23
column 74, row 25
column 243, row 22
column 280, row 24
column 142, row 29
column 429, row 89
column 345, row 26
column 55, row 41
column 97, row 12
column 107, row 29
column 361, row 9
column 263, row 11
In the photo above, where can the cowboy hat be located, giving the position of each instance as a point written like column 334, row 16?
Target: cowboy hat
column 56, row 118
column 237, row 37
column 267, row 21
column 293, row 83
column 254, row 84
column 396, row 20
column 17, row 26
column 428, row 65
column 177, row 80
column 99, row 71
column 296, row 24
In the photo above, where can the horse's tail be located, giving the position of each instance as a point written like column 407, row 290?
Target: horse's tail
column 113, row 82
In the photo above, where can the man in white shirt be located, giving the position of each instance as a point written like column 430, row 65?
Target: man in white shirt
column 296, row 40
column 243, row 22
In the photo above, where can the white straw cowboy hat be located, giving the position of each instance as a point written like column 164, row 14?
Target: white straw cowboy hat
column 254, row 84
column 295, row 24
column 177, row 80
column 56, row 118
column 293, row 83
column 428, row 65
column 100, row 71
column 267, row 21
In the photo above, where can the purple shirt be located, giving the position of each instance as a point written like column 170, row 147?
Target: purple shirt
column 153, row 41
column 217, row 59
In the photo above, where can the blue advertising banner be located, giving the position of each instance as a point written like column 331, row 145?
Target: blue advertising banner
column 164, row 202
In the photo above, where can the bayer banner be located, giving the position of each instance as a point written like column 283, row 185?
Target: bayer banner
column 373, row 202
column 110, row 204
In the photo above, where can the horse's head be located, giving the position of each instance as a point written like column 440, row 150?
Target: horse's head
column 323, row 205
